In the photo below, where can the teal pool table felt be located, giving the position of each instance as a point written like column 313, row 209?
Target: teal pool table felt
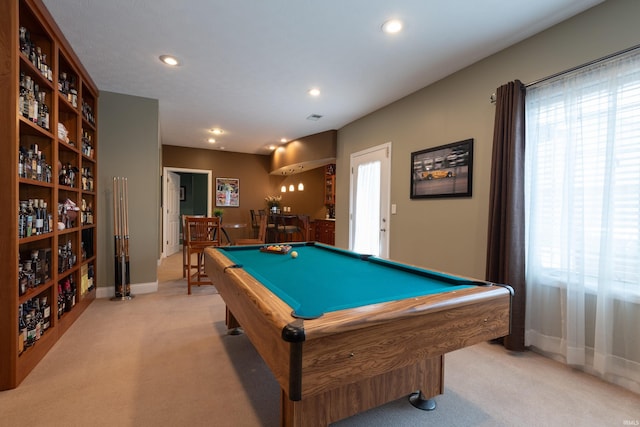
column 324, row 279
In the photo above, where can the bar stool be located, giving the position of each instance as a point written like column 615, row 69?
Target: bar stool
column 201, row 233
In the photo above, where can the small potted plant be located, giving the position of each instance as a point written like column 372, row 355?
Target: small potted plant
column 218, row 212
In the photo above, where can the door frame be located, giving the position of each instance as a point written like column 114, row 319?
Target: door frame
column 165, row 225
column 385, row 193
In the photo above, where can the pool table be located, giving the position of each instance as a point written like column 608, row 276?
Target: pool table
column 343, row 333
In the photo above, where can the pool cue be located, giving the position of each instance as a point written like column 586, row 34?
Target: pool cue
column 116, row 239
column 125, row 217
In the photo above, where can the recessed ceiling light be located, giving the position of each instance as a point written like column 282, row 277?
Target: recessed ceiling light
column 169, row 60
column 283, row 140
column 217, row 131
column 211, row 140
column 314, row 91
column 272, row 147
column 392, row 26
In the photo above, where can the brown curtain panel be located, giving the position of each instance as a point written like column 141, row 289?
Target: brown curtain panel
column 505, row 243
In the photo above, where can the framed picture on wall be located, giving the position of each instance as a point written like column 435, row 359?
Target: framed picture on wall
column 444, row 171
column 227, row 192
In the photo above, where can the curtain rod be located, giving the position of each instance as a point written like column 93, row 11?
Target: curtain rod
column 595, row 61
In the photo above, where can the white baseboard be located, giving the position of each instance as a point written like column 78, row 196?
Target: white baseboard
column 136, row 289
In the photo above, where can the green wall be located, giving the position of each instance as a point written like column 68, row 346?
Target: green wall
column 128, row 146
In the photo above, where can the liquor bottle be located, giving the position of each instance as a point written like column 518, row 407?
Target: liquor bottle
column 31, row 328
column 90, row 213
column 22, row 281
column 73, row 92
column 38, row 317
column 26, row 168
column 62, row 83
column 30, row 98
column 72, row 171
column 28, row 272
column 49, row 172
column 46, row 170
column 33, row 108
column 44, row 111
column 36, row 267
column 90, row 179
column 62, row 178
column 34, row 161
column 24, row 45
column 44, row 68
column 38, row 166
column 68, row 295
column 60, row 301
column 22, row 219
column 22, row 94
column 50, row 222
column 39, row 223
column 22, row 329
column 74, row 291
column 21, row 162
column 90, row 274
column 29, row 219
column 46, row 218
column 38, row 58
column 46, row 313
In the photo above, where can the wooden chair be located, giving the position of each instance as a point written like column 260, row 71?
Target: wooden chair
column 305, row 227
column 185, row 259
column 271, row 226
column 255, row 222
column 262, row 233
column 288, row 228
column 200, row 232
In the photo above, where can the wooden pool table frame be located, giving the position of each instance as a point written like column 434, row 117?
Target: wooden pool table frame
column 349, row 361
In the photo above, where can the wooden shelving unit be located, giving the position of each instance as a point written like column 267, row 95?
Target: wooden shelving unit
column 75, row 153
column 330, row 185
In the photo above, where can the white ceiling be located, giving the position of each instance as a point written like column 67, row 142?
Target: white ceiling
column 247, row 65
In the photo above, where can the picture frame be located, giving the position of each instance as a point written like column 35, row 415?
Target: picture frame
column 183, row 193
column 227, row 192
column 443, row 171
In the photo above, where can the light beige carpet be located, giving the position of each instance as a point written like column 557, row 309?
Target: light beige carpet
column 164, row 359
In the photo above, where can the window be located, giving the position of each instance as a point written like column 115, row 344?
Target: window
column 583, row 176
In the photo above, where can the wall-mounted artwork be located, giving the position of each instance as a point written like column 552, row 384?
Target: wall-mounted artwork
column 228, row 192
column 444, row 171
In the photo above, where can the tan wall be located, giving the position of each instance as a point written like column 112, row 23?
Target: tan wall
column 310, row 201
column 305, row 150
column 450, row 234
column 255, row 182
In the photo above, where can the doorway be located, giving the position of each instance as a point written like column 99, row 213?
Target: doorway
column 369, row 201
column 171, row 196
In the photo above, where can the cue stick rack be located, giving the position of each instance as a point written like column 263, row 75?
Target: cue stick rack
column 122, row 277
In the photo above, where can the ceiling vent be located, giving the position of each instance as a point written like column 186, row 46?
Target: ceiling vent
column 314, row 117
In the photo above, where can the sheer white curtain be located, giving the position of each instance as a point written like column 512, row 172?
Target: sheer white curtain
column 583, row 218
column 367, row 209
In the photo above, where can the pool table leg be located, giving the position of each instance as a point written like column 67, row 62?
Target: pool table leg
column 233, row 326
column 419, row 401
